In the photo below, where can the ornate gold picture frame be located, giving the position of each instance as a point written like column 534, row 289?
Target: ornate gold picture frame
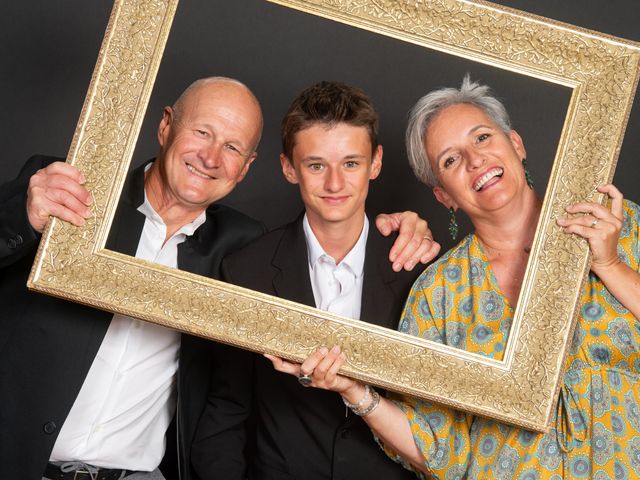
column 521, row 389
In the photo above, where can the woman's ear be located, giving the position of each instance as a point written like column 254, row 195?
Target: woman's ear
column 443, row 197
column 518, row 144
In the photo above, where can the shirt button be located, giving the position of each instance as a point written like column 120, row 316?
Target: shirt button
column 18, row 239
column 49, row 428
column 11, row 243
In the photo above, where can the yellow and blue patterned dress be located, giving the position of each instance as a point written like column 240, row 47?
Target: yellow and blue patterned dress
column 596, row 432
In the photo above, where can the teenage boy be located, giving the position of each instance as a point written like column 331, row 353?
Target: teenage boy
column 329, row 258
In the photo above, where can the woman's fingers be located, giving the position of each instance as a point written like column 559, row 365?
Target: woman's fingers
column 325, row 372
column 283, row 365
column 310, row 364
column 320, row 369
column 591, row 210
column 306, row 368
column 617, row 199
column 599, row 225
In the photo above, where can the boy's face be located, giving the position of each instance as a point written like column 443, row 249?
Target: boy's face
column 333, row 165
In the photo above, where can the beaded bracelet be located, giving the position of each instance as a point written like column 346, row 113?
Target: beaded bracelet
column 358, row 408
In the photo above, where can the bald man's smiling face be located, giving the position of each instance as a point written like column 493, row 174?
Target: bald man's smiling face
column 207, row 144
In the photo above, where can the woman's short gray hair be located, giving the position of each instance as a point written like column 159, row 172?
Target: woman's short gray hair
column 428, row 107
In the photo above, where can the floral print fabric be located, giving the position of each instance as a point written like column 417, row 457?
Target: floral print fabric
column 596, row 431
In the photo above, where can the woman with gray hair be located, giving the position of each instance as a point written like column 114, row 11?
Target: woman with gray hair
column 461, row 144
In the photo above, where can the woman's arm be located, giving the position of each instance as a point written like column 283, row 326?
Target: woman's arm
column 387, row 421
column 601, row 228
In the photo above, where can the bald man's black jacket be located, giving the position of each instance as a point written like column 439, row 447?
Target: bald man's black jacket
column 47, row 344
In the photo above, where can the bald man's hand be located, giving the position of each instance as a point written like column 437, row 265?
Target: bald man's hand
column 57, row 190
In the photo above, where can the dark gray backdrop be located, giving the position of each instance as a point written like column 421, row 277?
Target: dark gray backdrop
column 48, row 50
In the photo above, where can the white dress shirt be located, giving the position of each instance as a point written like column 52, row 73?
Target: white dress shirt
column 337, row 288
column 128, row 398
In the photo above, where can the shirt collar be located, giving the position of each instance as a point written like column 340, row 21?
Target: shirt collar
column 354, row 259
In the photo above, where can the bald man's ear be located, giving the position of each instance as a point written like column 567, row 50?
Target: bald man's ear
column 287, row 169
column 164, row 129
column 247, row 164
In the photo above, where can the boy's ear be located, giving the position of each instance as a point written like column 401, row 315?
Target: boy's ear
column 376, row 163
column 287, row 169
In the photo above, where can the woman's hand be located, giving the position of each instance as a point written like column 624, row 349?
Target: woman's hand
column 387, row 420
column 414, row 243
column 599, row 226
column 322, row 367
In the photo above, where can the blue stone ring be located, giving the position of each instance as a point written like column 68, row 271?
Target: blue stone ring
column 305, row 380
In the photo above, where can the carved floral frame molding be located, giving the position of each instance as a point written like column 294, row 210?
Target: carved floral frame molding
column 521, row 389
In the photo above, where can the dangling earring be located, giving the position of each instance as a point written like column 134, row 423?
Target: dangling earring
column 527, row 175
column 453, row 225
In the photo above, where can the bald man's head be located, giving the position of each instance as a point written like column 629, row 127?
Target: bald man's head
column 244, row 97
column 208, row 140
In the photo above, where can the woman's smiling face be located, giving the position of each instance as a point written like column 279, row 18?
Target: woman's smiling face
column 478, row 166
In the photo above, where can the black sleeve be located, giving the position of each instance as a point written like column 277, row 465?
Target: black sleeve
column 17, row 237
column 225, row 431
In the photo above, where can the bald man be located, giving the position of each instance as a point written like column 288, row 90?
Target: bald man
column 86, row 394
column 86, row 391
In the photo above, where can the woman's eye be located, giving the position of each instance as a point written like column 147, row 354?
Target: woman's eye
column 483, row 136
column 448, row 161
column 201, row 133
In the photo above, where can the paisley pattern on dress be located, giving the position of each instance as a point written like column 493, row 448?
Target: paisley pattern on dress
column 596, row 432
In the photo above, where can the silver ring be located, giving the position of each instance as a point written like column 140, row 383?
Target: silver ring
column 594, row 223
column 305, row 380
column 427, row 237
